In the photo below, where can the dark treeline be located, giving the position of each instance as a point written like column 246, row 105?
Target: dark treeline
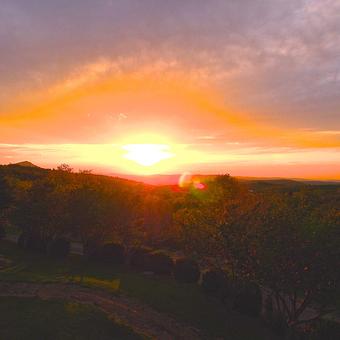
column 255, row 243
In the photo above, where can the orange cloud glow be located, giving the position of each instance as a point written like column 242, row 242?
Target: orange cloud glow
column 99, row 117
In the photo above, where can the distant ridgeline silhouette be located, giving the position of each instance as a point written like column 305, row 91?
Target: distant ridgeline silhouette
column 26, row 164
column 27, row 169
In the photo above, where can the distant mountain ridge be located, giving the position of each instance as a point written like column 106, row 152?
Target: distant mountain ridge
column 26, row 164
column 173, row 179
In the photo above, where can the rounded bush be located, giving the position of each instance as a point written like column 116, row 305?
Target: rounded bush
column 111, row 252
column 217, row 283
column 32, row 242
column 160, row 263
column 22, row 240
column 90, row 248
column 140, row 258
column 59, row 248
column 186, row 271
column 268, row 309
column 2, row 232
column 278, row 324
column 248, row 299
column 275, row 320
column 324, row 329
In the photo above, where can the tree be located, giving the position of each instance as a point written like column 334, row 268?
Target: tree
column 5, row 195
column 156, row 212
column 5, row 201
column 288, row 242
column 290, row 252
column 202, row 214
column 65, row 167
column 41, row 211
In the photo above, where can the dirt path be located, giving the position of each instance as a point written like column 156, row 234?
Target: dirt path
column 139, row 317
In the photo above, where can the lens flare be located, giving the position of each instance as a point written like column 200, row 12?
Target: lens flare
column 199, row 186
column 185, row 180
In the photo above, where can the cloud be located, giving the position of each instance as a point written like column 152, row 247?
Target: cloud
column 279, row 56
column 251, row 72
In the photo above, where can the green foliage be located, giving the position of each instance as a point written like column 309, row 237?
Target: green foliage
column 31, row 318
column 284, row 237
column 5, row 201
column 5, row 194
column 22, row 173
column 286, row 240
column 41, row 210
column 321, row 330
column 185, row 302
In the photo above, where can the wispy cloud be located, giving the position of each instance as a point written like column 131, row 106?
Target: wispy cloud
column 218, row 75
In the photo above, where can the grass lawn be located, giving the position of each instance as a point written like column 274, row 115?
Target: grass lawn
column 30, row 318
column 184, row 302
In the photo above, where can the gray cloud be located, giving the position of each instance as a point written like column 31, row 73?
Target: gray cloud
column 279, row 59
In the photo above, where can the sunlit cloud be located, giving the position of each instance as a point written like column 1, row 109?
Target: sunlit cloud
column 228, row 83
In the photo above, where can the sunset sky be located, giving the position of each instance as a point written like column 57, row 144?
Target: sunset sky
column 246, row 87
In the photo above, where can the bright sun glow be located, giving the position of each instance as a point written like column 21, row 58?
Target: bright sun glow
column 147, row 154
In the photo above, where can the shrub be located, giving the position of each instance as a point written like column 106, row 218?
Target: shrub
column 186, row 271
column 161, row 263
column 59, row 248
column 140, row 258
column 91, row 247
column 217, row 283
column 248, row 299
column 22, row 240
column 32, row 242
column 278, row 324
column 275, row 320
column 110, row 252
column 2, row 231
column 268, row 309
column 323, row 329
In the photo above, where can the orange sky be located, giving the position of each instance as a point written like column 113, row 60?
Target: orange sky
column 201, row 116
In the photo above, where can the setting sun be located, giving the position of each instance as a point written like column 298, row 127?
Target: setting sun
column 147, row 154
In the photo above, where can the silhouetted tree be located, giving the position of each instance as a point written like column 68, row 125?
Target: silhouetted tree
column 5, row 201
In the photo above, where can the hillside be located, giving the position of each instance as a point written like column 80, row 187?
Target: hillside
column 28, row 170
column 26, row 164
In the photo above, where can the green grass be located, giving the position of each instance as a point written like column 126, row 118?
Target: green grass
column 11, row 230
column 31, row 318
column 184, row 302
